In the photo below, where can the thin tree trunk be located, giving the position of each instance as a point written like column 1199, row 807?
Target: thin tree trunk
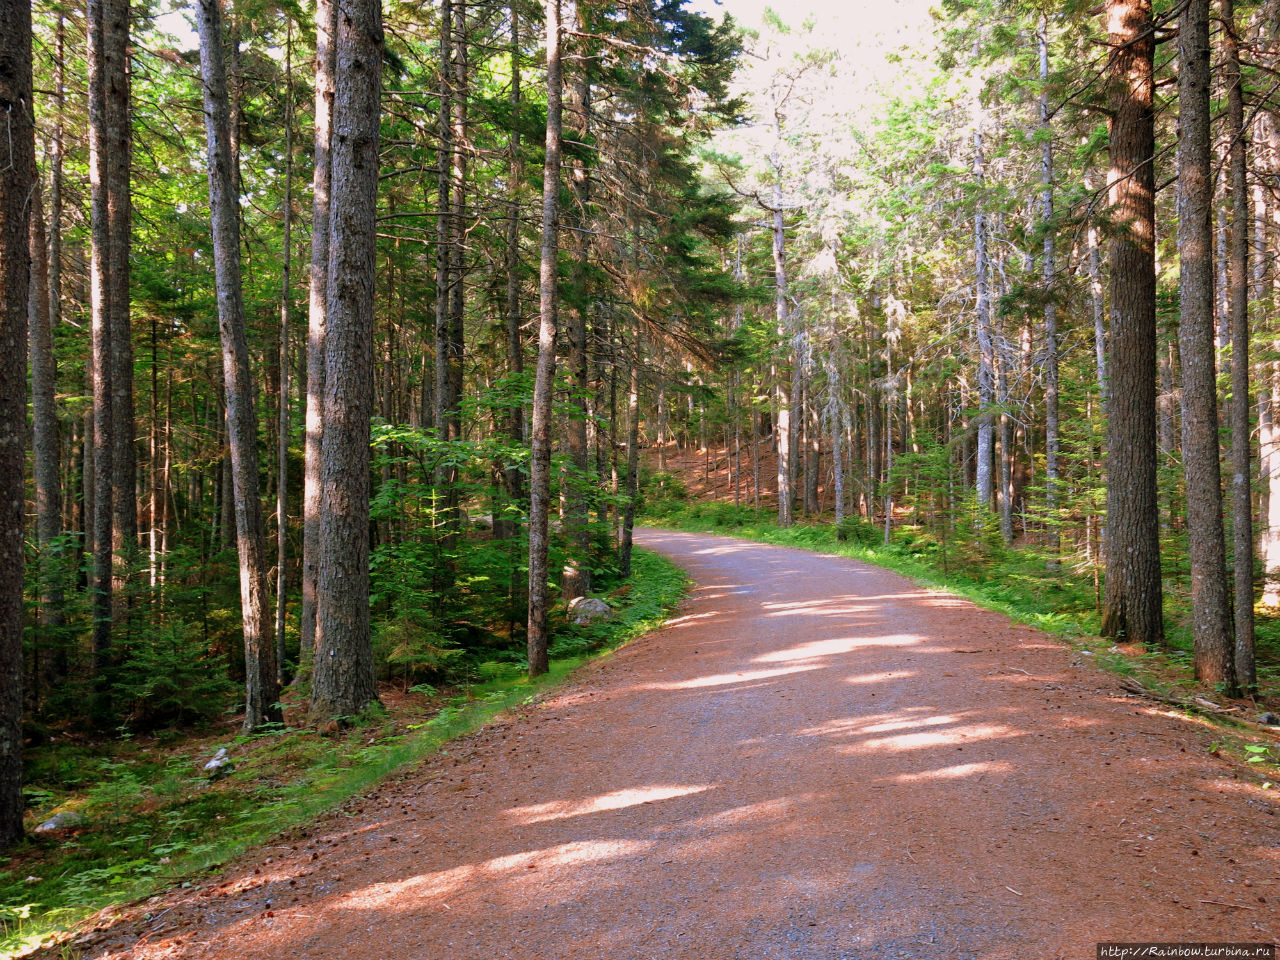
column 100, row 357
column 321, row 183
column 118, row 115
column 17, row 182
column 984, row 481
column 261, row 681
column 282, row 430
column 513, row 478
column 343, row 681
column 544, row 385
column 576, row 579
column 1133, row 605
column 1238, row 311
column 1048, row 272
column 45, row 443
column 633, row 457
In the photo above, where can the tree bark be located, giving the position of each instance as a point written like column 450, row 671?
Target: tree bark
column 1210, row 607
column 1238, row 313
column 282, row 427
column 1132, row 607
column 544, row 384
column 1049, row 274
column 262, row 691
column 45, row 443
column 984, row 481
column 17, row 179
column 100, row 291
column 343, row 682
column 321, row 182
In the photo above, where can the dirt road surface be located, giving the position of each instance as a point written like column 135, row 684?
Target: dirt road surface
column 816, row 760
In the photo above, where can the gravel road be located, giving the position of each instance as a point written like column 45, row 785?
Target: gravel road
column 815, row 760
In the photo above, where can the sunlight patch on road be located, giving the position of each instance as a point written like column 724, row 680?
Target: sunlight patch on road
column 885, row 677
column 953, row 772
column 526, row 866
column 938, row 738
column 726, row 679
column 562, row 809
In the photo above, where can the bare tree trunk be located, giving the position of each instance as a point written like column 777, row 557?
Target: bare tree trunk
column 282, row 429
column 321, row 184
column 576, row 578
column 45, row 443
column 984, row 481
column 1133, row 605
column 261, row 683
column 544, row 385
column 124, row 458
column 782, row 427
column 513, row 479
column 343, row 682
column 17, row 182
column 1211, row 611
column 100, row 357
column 1238, row 311
column 447, row 351
column 633, row 457
column 1048, row 272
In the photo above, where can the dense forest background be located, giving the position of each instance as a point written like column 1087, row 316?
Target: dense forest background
column 356, row 339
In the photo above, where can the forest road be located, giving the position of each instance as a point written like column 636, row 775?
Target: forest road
column 815, row 760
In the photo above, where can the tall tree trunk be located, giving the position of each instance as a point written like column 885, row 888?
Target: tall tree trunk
column 1133, row 605
column 576, row 579
column 544, row 385
column 1210, row 607
column 447, row 350
column 1048, row 272
column 261, row 682
column 513, row 478
column 321, row 184
column 1238, row 311
column 17, row 182
column 633, row 457
column 786, row 360
column 282, row 429
column 984, row 481
column 343, row 681
column 100, row 292
column 124, row 457
column 45, row 443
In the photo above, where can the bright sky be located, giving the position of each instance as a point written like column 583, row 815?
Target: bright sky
column 842, row 23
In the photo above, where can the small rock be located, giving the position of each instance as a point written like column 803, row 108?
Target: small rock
column 63, row 820
column 219, row 766
column 584, row 610
column 1270, row 719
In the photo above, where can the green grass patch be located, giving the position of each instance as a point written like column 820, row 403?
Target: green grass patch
column 154, row 820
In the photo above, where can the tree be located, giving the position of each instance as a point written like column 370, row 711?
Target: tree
column 321, row 184
column 261, row 680
column 1133, row 606
column 1211, row 612
column 1241, row 445
column 17, row 182
column 343, row 682
column 544, row 384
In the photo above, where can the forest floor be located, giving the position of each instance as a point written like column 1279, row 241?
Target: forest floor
column 816, row 759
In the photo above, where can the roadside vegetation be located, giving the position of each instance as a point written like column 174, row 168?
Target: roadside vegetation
column 148, row 816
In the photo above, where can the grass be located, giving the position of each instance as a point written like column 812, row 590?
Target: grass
column 154, row 820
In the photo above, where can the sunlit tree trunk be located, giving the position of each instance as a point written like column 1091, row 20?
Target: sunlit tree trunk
column 321, row 182
column 343, row 680
column 1238, row 312
column 984, row 482
column 544, row 385
column 261, row 681
column 1048, row 272
column 1133, row 604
